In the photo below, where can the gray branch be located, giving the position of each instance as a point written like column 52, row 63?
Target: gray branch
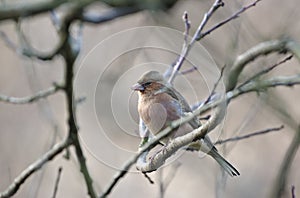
column 30, row 99
column 172, row 72
column 249, row 135
column 282, row 45
column 38, row 164
column 179, row 142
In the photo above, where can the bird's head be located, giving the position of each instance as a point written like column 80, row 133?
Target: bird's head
column 151, row 82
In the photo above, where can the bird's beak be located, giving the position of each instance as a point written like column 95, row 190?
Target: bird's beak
column 137, row 87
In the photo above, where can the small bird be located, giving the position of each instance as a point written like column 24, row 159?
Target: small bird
column 159, row 104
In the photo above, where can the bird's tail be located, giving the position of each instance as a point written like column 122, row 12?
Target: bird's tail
column 223, row 163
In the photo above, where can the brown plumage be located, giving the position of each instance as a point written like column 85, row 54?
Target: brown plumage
column 159, row 104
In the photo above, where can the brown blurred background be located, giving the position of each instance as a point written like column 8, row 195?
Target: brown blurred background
column 28, row 131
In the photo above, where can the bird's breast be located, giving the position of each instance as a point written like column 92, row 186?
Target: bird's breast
column 154, row 115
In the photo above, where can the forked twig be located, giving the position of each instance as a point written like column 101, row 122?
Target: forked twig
column 234, row 16
column 186, row 47
column 264, row 71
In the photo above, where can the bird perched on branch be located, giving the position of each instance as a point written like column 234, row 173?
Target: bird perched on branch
column 159, row 104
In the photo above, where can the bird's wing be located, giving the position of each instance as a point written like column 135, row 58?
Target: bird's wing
column 184, row 106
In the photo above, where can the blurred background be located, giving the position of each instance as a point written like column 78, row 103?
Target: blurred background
column 112, row 58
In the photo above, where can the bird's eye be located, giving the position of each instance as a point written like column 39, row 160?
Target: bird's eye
column 147, row 84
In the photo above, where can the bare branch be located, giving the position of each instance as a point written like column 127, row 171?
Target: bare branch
column 179, row 142
column 199, row 35
column 74, row 12
column 250, row 135
column 38, row 164
column 70, row 54
column 193, row 68
column 264, row 71
column 250, row 87
column 187, row 26
column 26, row 50
column 120, row 174
column 215, row 86
column 264, row 48
column 186, row 47
column 212, row 96
column 31, row 53
column 29, row 99
column 234, row 16
column 57, row 182
column 207, row 16
column 264, row 84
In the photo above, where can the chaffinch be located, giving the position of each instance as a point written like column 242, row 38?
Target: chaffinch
column 159, row 104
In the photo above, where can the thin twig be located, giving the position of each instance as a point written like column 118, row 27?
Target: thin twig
column 212, row 95
column 172, row 71
column 186, row 48
column 215, row 86
column 119, row 175
column 27, row 50
column 29, row 99
column 262, row 85
column 187, row 26
column 32, row 53
column 293, row 191
column 266, row 70
column 148, row 178
column 207, row 16
column 57, row 182
column 234, row 16
column 250, row 135
column 38, row 164
column 199, row 35
column 264, row 48
column 193, row 68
